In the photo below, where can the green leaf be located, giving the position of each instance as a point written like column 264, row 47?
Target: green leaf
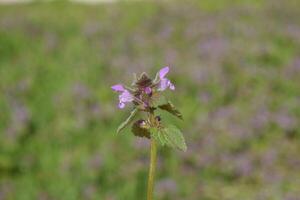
column 170, row 136
column 128, row 120
column 139, row 130
column 169, row 107
column 158, row 136
column 174, row 137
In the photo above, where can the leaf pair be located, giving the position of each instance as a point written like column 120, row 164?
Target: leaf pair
column 167, row 106
column 170, row 136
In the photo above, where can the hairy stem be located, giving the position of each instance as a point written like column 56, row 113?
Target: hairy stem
column 153, row 157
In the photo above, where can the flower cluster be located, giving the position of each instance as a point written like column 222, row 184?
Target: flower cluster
column 143, row 89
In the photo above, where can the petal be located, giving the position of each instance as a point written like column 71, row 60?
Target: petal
column 148, row 90
column 121, row 105
column 163, row 84
column 171, row 86
column 118, row 88
column 126, row 96
column 163, row 72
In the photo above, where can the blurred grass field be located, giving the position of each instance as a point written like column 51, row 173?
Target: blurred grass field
column 236, row 67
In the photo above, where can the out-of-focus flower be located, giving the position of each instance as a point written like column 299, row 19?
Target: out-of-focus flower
column 164, row 82
column 125, row 95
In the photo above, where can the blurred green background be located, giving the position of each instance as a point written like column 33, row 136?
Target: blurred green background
column 236, row 67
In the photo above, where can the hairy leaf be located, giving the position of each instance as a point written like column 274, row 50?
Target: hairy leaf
column 174, row 137
column 171, row 109
column 157, row 135
column 170, row 136
column 128, row 120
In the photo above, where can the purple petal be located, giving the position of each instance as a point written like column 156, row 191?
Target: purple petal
column 121, row 105
column 126, row 97
column 118, row 88
column 163, row 72
column 148, row 90
column 172, row 87
column 163, row 84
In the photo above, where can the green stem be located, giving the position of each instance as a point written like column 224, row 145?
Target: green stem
column 153, row 157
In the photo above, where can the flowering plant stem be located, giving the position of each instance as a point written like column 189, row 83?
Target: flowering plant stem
column 153, row 158
column 145, row 95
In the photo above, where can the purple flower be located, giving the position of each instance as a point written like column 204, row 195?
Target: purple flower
column 164, row 82
column 125, row 95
